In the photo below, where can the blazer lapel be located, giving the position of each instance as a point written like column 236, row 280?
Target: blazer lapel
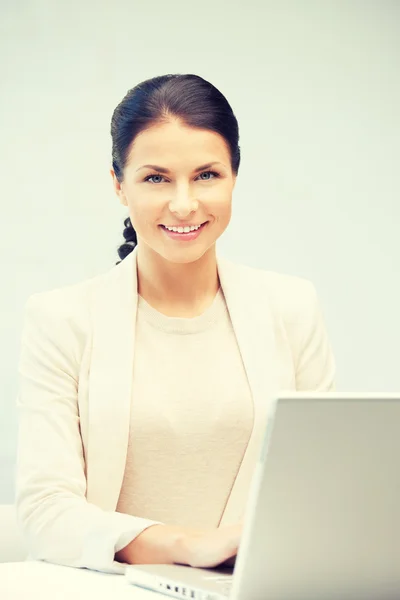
column 110, row 382
column 252, row 322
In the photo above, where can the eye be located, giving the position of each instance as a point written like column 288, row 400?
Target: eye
column 214, row 173
column 149, row 177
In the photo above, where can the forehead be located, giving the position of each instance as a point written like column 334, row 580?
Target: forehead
column 175, row 141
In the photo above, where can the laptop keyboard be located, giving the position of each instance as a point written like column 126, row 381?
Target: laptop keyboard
column 225, row 584
column 190, row 594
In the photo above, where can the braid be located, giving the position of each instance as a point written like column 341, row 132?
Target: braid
column 130, row 240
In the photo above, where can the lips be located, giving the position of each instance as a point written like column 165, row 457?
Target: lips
column 190, row 235
column 185, row 225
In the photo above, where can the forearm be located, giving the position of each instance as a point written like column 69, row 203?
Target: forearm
column 158, row 544
column 162, row 544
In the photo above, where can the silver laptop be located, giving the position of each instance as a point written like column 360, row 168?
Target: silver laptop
column 323, row 515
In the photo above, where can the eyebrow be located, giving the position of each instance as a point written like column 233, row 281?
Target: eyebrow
column 164, row 170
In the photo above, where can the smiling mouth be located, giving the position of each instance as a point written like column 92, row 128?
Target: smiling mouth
column 192, row 234
column 183, row 227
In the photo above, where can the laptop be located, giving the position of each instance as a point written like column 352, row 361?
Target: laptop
column 322, row 520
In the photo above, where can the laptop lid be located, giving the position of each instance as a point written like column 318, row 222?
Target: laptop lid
column 323, row 517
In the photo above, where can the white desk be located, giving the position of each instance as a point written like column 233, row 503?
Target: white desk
column 33, row 580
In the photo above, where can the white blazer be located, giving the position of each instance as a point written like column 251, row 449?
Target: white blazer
column 74, row 399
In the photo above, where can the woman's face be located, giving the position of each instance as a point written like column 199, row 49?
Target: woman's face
column 176, row 193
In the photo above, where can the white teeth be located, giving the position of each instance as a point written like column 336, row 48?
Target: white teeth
column 183, row 229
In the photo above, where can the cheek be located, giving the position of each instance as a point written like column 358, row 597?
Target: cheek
column 142, row 211
column 222, row 206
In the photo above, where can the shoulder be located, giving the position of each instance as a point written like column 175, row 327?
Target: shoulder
column 57, row 323
column 299, row 321
column 68, row 305
column 289, row 296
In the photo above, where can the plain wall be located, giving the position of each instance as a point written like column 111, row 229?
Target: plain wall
column 316, row 89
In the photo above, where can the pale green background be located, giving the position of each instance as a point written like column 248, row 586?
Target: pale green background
column 316, row 89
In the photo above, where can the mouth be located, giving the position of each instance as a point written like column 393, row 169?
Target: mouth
column 187, row 236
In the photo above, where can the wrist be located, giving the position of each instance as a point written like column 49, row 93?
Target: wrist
column 182, row 545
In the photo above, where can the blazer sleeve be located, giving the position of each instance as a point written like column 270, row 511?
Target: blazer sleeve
column 314, row 360
column 57, row 522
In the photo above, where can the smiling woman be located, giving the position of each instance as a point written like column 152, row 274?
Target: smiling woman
column 145, row 391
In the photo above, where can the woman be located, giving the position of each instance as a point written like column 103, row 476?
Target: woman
column 144, row 391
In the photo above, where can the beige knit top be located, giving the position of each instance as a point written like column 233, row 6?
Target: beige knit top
column 191, row 417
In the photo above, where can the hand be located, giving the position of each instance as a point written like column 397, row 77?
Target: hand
column 163, row 544
column 213, row 548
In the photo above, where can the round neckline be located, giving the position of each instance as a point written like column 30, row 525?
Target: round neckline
column 183, row 325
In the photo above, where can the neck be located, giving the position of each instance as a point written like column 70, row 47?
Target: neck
column 177, row 289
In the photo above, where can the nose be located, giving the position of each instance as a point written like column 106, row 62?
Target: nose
column 183, row 204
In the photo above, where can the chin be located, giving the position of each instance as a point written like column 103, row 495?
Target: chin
column 184, row 256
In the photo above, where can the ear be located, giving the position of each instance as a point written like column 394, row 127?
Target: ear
column 118, row 188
